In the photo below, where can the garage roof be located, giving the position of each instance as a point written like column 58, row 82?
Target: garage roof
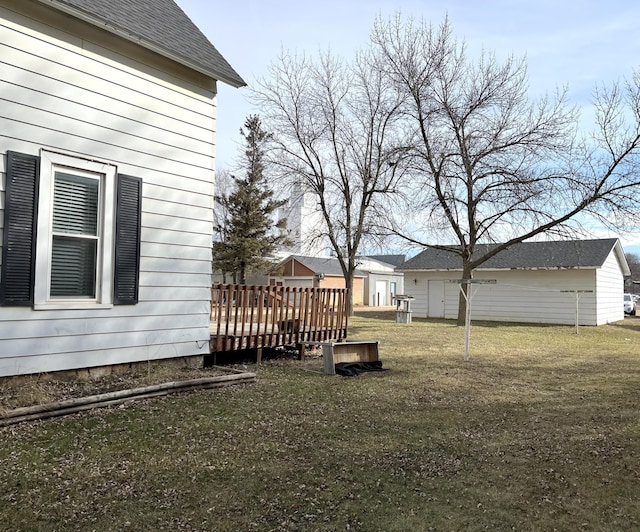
column 526, row 255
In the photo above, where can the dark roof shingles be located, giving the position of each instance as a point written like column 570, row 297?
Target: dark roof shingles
column 393, row 260
column 164, row 25
column 326, row 265
column 526, row 255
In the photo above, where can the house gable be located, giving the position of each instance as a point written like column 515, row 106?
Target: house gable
column 609, row 287
column 295, row 268
column 158, row 25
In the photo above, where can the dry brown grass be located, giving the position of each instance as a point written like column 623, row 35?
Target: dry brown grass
column 538, row 431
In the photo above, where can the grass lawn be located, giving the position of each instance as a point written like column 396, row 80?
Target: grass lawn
column 540, row 430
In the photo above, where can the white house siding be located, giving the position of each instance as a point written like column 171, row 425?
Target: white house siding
column 528, row 296
column 610, row 286
column 104, row 98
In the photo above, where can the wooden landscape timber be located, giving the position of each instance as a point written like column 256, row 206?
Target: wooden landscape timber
column 80, row 404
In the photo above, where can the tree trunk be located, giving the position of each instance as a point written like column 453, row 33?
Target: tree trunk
column 349, row 285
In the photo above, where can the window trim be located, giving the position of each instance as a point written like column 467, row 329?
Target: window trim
column 51, row 161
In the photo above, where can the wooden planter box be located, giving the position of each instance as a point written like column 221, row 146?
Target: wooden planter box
column 335, row 352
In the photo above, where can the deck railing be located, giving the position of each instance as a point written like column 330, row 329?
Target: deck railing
column 251, row 316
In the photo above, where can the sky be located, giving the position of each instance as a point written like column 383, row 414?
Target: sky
column 570, row 43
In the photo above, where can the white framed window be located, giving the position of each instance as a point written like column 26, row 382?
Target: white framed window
column 74, row 260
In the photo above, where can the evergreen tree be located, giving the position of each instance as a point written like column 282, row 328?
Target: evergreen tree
column 248, row 236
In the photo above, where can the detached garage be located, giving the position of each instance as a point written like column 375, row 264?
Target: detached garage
column 536, row 282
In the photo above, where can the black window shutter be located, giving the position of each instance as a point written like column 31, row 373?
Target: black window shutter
column 127, row 252
column 19, row 235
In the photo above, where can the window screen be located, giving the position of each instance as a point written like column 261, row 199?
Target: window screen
column 75, row 236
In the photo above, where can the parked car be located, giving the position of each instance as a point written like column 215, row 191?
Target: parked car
column 629, row 305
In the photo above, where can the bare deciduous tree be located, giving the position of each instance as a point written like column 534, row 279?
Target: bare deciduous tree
column 633, row 259
column 488, row 163
column 335, row 133
column 221, row 215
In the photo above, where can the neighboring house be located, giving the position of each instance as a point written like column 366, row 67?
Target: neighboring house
column 107, row 145
column 316, row 272
column 382, row 282
column 538, row 282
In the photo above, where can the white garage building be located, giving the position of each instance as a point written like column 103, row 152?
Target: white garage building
column 536, row 282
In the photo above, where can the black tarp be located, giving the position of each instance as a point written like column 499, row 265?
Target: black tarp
column 353, row 369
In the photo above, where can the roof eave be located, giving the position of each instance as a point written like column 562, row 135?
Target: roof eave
column 521, row 268
column 136, row 39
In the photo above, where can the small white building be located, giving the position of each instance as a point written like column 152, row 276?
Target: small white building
column 536, row 282
column 382, row 282
column 107, row 151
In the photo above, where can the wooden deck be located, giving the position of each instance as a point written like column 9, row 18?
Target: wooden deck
column 253, row 317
